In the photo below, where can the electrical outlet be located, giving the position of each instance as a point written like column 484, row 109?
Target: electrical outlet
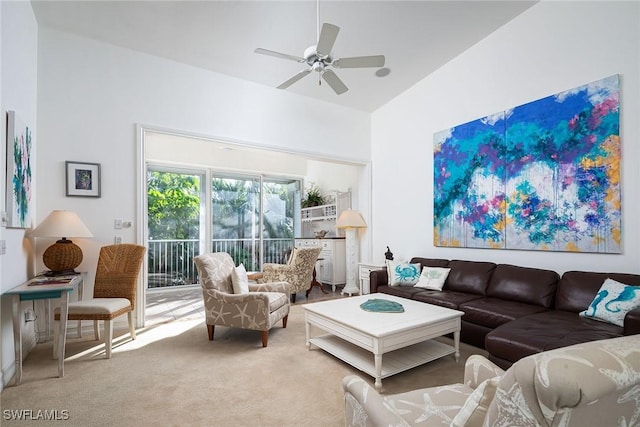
column 117, row 224
column 117, row 240
column 5, row 219
column 29, row 315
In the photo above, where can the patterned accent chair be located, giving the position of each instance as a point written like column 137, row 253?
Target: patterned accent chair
column 259, row 309
column 298, row 272
column 595, row 383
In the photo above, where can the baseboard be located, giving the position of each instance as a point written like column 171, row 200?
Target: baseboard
column 28, row 344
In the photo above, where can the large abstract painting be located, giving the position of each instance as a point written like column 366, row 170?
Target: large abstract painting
column 541, row 176
column 18, row 197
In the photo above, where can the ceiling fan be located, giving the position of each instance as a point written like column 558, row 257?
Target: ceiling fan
column 319, row 58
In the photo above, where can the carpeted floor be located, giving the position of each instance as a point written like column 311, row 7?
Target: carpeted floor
column 172, row 375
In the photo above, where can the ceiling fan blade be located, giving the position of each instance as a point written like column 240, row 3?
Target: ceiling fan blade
column 294, row 79
column 328, row 36
column 279, row 55
column 359, row 62
column 334, row 81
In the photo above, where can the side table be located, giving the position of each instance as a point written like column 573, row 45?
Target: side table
column 364, row 268
column 46, row 289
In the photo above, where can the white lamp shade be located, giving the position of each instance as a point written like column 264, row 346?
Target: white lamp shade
column 351, row 219
column 62, row 224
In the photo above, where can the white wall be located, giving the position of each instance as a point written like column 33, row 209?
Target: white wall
column 91, row 95
column 18, row 65
column 553, row 46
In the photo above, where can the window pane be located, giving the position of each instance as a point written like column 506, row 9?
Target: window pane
column 278, row 220
column 235, row 219
column 174, row 201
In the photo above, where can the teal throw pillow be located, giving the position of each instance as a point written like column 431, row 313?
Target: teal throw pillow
column 612, row 302
column 403, row 273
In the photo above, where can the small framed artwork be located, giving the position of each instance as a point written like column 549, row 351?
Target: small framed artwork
column 83, row 179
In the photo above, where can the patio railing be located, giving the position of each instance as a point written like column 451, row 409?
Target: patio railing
column 171, row 261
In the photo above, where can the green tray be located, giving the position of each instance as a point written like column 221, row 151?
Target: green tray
column 382, row 306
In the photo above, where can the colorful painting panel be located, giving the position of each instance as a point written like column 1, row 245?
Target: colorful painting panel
column 554, row 173
column 469, row 186
column 18, row 189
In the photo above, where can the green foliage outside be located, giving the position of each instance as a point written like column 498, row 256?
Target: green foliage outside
column 173, row 206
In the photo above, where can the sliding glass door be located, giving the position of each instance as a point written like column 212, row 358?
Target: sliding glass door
column 253, row 218
column 174, row 225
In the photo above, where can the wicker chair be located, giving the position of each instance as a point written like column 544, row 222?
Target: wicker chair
column 298, row 273
column 114, row 292
column 261, row 307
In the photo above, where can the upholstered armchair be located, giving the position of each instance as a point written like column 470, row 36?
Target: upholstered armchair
column 258, row 306
column 588, row 384
column 298, row 272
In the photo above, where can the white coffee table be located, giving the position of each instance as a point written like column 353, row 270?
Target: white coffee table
column 405, row 339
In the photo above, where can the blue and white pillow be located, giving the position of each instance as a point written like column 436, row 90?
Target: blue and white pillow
column 403, row 273
column 612, row 302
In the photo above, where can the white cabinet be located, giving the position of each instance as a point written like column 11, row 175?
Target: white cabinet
column 364, row 269
column 331, row 265
column 324, row 217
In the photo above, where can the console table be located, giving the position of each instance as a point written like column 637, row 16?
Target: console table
column 46, row 288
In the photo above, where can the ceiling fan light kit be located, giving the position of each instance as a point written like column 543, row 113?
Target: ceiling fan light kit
column 319, row 58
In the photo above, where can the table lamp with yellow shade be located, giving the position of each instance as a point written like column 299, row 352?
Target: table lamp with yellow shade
column 63, row 256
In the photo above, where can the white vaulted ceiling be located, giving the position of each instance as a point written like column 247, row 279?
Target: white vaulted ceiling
column 417, row 37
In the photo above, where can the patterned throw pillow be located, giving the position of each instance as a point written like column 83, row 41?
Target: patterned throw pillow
column 403, row 273
column 612, row 302
column 240, row 280
column 433, row 278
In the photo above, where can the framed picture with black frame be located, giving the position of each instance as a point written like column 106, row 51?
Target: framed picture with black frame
column 83, row 179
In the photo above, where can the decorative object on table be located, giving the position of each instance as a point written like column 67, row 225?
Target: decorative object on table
column 320, row 234
column 382, row 306
column 18, row 184
column 350, row 221
column 541, row 176
column 63, row 256
column 388, row 255
column 82, row 179
column 313, row 198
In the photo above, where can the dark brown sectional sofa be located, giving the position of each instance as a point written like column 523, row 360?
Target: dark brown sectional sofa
column 513, row 311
